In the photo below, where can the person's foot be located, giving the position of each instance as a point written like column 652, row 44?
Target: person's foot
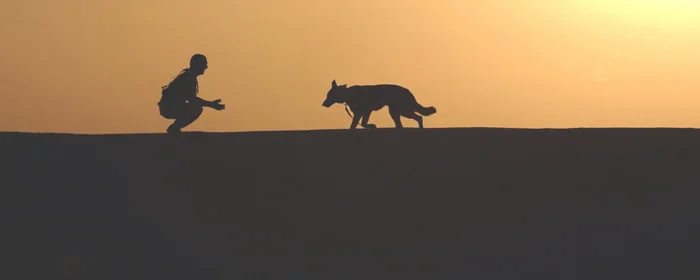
column 173, row 131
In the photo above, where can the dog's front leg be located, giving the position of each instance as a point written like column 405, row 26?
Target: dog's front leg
column 365, row 120
column 355, row 121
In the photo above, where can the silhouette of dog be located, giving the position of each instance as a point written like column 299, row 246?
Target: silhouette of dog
column 364, row 99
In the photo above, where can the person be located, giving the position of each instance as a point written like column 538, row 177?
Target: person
column 179, row 100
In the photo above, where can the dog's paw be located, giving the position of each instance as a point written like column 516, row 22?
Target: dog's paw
column 371, row 125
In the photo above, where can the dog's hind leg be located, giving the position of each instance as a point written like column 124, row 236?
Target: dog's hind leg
column 396, row 116
column 416, row 117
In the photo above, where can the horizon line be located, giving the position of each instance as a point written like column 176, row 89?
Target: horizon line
column 357, row 130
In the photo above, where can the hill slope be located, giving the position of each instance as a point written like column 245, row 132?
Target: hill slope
column 365, row 204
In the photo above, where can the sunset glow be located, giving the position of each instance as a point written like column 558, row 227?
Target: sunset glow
column 97, row 66
column 672, row 15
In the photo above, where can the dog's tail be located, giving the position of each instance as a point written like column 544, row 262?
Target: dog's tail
column 425, row 111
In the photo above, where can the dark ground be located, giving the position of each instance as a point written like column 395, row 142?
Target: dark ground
column 367, row 204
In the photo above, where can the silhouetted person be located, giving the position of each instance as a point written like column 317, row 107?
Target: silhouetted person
column 179, row 100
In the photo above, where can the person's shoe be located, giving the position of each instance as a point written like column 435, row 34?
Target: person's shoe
column 173, row 131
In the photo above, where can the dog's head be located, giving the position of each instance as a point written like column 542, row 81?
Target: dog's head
column 335, row 95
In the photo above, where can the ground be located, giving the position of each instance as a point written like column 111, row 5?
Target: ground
column 463, row 203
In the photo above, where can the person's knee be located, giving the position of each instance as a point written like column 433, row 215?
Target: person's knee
column 197, row 110
column 193, row 112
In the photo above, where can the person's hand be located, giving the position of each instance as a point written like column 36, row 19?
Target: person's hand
column 216, row 104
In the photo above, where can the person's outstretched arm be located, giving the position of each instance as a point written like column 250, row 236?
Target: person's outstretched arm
column 211, row 104
column 193, row 98
column 200, row 101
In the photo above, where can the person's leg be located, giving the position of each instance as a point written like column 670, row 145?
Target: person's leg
column 188, row 115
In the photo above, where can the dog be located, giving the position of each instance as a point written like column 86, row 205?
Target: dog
column 364, row 99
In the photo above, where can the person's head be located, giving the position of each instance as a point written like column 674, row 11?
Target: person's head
column 198, row 63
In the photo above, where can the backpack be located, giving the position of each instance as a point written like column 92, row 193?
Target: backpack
column 168, row 91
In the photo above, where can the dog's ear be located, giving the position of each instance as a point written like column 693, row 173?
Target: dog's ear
column 334, row 85
column 344, row 86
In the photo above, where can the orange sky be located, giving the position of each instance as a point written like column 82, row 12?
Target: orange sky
column 86, row 66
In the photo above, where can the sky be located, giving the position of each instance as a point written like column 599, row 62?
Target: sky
column 85, row 66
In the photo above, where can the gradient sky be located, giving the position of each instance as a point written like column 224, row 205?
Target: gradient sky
column 86, row 66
